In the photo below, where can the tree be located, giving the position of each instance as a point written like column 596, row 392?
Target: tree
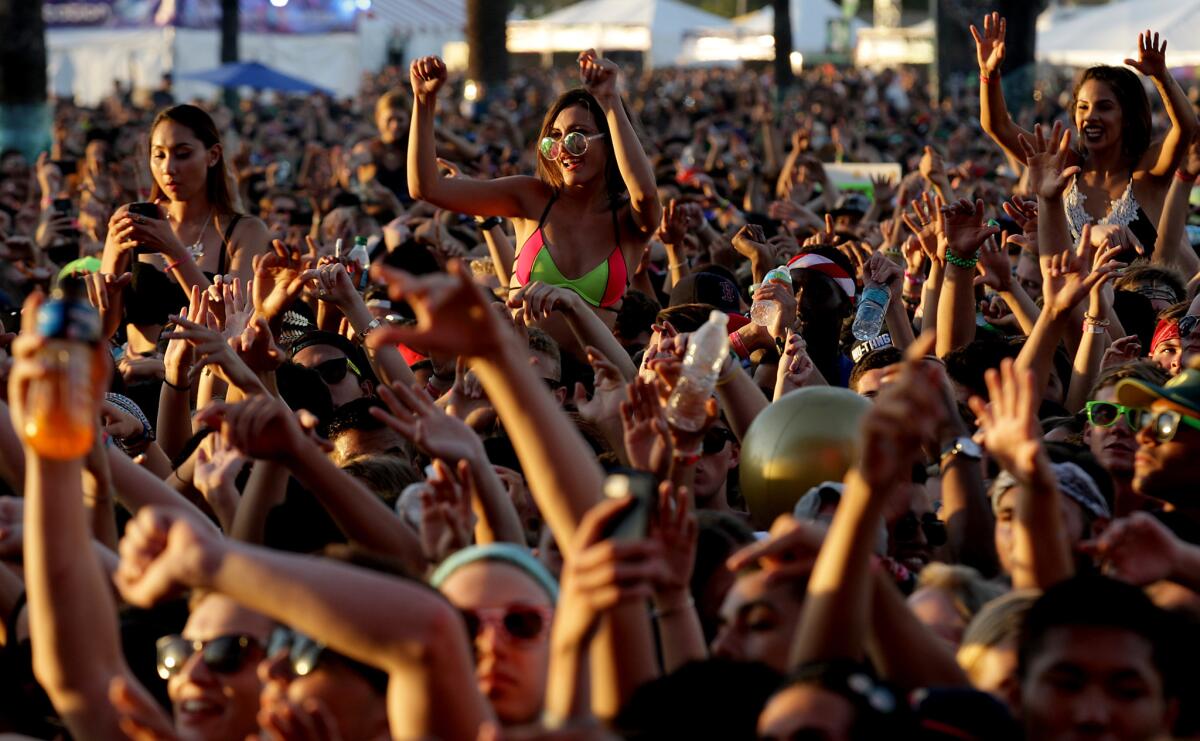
column 783, row 46
column 229, row 31
column 487, row 41
column 24, row 115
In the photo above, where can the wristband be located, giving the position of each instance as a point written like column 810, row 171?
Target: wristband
column 177, row 387
column 687, row 459
column 738, row 346
column 967, row 263
column 170, row 267
column 1089, row 328
column 912, row 279
column 1096, row 321
column 1184, row 177
column 985, row 78
column 684, row 606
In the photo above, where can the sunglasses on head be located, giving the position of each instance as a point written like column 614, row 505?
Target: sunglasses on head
column 574, row 143
column 1163, row 424
column 935, row 529
column 334, row 370
column 715, row 440
column 223, row 654
column 1106, row 414
column 517, row 622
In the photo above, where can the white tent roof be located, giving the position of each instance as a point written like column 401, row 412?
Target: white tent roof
column 421, row 15
column 810, row 24
column 656, row 26
column 1107, row 34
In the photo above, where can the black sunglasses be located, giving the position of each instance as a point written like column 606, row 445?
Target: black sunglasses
column 1187, row 324
column 223, row 654
column 715, row 440
column 334, row 370
column 935, row 529
column 303, row 653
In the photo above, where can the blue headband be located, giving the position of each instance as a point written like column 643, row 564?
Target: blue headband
column 508, row 553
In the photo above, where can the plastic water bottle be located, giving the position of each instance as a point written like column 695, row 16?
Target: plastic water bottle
column 765, row 311
column 362, row 258
column 701, row 366
column 868, row 322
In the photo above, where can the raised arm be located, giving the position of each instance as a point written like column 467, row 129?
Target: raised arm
column 1161, row 160
column 538, row 301
column 600, row 78
column 401, row 627
column 965, row 233
column 993, row 112
column 518, row 196
column 1011, row 435
column 1173, row 247
column 72, row 615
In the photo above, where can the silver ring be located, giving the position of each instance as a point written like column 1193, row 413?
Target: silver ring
column 322, row 293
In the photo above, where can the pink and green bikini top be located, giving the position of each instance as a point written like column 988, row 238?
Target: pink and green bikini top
column 602, row 286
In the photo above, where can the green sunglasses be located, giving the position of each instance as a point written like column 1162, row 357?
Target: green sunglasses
column 1164, row 424
column 1106, row 414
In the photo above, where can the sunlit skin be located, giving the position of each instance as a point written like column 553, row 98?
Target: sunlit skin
column 1091, row 682
column 1072, row 517
column 179, row 161
column 511, row 672
column 358, row 709
column 212, row 706
column 1168, row 355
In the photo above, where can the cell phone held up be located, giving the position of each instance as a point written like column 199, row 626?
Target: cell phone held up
column 633, row 522
column 145, row 209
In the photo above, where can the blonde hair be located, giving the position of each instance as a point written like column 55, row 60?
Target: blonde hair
column 996, row 622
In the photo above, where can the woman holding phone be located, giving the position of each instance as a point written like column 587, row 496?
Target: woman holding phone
column 584, row 220
column 191, row 228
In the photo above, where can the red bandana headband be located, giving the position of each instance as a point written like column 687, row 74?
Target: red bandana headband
column 822, row 264
column 1166, row 330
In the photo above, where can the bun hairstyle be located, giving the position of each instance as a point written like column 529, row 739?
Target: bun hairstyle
column 219, row 184
column 549, row 173
column 1135, row 106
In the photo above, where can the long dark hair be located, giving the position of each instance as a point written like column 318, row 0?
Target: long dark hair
column 1135, row 106
column 218, row 183
column 614, row 184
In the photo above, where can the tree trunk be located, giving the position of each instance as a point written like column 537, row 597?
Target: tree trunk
column 229, row 31
column 487, row 41
column 24, row 114
column 783, row 47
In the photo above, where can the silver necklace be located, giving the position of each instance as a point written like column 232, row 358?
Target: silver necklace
column 196, row 249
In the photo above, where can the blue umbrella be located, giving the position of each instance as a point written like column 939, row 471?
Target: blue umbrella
column 253, row 75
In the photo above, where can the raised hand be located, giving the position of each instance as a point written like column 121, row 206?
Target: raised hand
column 539, row 301
column 413, row 415
column 1008, row 422
column 751, row 242
column 674, row 226
column 964, row 229
column 1138, row 549
column 796, row 367
column 676, row 528
column 277, row 280
column 989, row 47
column 1049, row 175
column 162, row 554
column 211, row 349
column 607, row 394
column 995, row 270
column 257, row 348
column 646, row 433
column 884, row 189
column 1070, row 275
column 599, row 76
column 786, row 298
column 932, row 167
column 1123, row 350
column 925, row 226
column 218, row 464
column 261, row 427
column 446, row 517
column 1152, row 56
column 103, row 290
column 786, row 554
column 453, row 317
column 427, row 75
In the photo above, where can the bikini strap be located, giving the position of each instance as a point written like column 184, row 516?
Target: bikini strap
column 546, row 212
column 225, row 243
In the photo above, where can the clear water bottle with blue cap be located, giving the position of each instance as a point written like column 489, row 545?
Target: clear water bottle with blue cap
column 702, row 363
column 765, row 311
column 872, row 309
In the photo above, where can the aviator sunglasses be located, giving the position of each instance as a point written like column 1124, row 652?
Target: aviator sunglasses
column 574, row 143
column 223, row 654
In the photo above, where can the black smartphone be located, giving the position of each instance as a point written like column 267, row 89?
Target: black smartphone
column 148, row 210
column 633, row 522
column 63, row 206
column 66, row 167
column 144, row 208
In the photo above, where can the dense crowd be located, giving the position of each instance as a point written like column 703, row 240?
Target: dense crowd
column 602, row 405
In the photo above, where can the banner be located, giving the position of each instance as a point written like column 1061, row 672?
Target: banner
column 255, row 16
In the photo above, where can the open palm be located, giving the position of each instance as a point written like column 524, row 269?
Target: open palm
column 1152, row 55
column 989, row 46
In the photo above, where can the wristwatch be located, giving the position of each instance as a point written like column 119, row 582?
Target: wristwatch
column 371, row 326
column 963, row 446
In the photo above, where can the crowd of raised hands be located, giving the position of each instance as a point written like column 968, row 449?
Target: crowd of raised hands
column 331, row 499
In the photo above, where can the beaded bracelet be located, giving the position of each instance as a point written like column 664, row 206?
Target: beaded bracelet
column 967, row 263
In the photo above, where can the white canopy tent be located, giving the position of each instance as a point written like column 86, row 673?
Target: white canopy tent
column 1107, row 34
column 654, row 27
column 84, row 62
column 751, row 36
